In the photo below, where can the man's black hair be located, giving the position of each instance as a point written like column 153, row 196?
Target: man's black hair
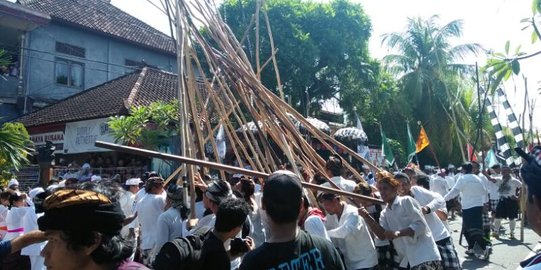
column 334, row 164
column 282, row 195
column 402, row 177
column 231, row 213
column 467, row 167
column 423, row 180
column 319, row 178
column 5, row 195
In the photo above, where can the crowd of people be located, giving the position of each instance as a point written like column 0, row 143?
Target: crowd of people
column 271, row 223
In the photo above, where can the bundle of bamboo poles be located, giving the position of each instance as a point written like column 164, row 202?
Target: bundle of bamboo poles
column 218, row 80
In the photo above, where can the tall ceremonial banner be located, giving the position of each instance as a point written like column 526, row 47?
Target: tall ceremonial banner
column 422, row 141
column 501, row 141
column 513, row 123
column 471, row 152
column 411, row 145
column 362, row 149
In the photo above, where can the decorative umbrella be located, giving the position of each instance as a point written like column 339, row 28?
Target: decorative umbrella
column 317, row 124
column 250, row 126
column 351, row 134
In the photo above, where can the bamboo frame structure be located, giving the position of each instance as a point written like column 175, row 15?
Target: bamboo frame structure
column 217, row 81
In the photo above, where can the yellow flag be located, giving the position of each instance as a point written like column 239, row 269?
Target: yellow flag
column 422, row 141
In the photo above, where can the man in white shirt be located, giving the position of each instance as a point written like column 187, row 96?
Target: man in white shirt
column 439, row 184
column 431, row 203
column 493, row 194
column 509, row 189
column 349, row 233
column 172, row 222
column 474, row 195
column 402, row 222
column 148, row 210
column 127, row 203
column 334, row 169
column 486, row 215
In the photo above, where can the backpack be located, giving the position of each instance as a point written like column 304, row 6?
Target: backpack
column 182, row 253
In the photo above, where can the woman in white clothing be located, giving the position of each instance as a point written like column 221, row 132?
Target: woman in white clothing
column 14, row 221
column 30, row 223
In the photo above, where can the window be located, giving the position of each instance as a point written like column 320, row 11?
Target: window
column 70, row 49
column 69, row 73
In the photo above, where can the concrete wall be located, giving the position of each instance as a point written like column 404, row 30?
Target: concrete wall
column 104, row 60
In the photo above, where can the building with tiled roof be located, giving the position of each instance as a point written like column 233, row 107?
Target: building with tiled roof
column 76, row 45
column 103, row 18
column 114, row 97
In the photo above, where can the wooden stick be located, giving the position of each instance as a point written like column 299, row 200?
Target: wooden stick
column 218, row 166
column 258, row 6
column 274, row 62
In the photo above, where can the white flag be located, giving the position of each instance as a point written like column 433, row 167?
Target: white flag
column 220, row 142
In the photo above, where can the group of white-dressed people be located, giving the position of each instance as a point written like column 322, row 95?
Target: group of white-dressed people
column 267, row 224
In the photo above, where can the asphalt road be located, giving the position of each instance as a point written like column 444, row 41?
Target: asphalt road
column 506, row 254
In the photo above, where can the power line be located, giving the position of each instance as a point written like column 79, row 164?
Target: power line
column 16, row 51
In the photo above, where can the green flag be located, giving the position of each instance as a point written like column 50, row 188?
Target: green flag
column 411, row 144
column 386, row 150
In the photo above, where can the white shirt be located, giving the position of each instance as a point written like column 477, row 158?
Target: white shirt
column 30, row 223
column 451, row 180
column 3, row 216
column 148, row 210
column 510, row 189
column 14, row 221
column 357, row 245
column 471, row 189
column 493, row 187
column 127, row 203
column 170, row 226
column 344, row 184
column 439, row 185
column 433, row 201
column 199, row 209
column 406, row 212
column 315, row 226
column 486, row 183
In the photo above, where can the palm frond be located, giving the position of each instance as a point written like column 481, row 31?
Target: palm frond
column 462, row 51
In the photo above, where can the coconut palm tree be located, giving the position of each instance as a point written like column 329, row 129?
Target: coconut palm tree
column 426, row 63
column 15, row 145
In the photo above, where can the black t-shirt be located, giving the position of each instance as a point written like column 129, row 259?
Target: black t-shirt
column 305, row 252
column 213, row 254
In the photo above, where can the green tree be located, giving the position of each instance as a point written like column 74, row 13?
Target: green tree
column 149, row 126
column 323, row 47
column 429, row 75
column 15, row 146
column 501, row 66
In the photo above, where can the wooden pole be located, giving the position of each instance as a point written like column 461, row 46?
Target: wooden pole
column 274, row 62
column 258, row 66
column 218, row 166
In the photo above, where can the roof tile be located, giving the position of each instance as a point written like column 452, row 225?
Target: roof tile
column 101, row 16
column 108, row 99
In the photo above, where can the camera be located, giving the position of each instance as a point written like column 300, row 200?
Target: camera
column 239, row 245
